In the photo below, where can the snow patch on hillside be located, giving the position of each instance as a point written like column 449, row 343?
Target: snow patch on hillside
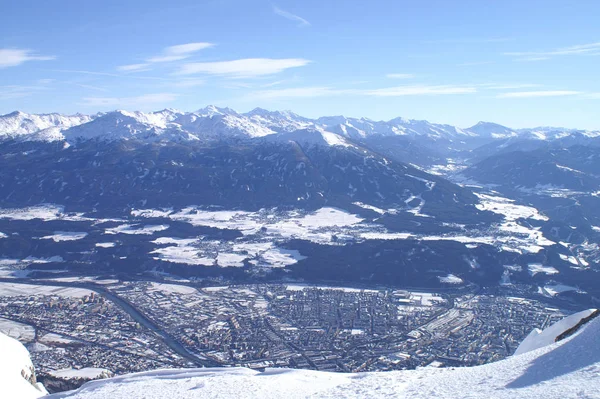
column 451, row 279
column 59, row 236
column 136, row 229
column 535, row 268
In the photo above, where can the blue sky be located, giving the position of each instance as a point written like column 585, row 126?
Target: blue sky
column 518, row 63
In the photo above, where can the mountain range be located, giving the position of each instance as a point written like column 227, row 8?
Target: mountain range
column 346, row 192
column 223, row 123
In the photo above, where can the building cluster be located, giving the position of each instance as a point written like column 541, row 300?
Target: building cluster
column 88, row 331
column 338, row 329
column 274, row 325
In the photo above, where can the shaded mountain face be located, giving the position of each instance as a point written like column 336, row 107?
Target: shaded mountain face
column 253, row 175
column 575, row 168
column 273, row 195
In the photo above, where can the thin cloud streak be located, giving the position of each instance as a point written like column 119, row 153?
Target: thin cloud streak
column 12, row 92
column 580, row 49
column 400, row 91
column 242, row 68
column 514, row 86
column 297, row 92
column 133, row 67
column 540, row 93
column 400, row 76
column 467, row 40
column 476, row 63
column 91, row 87
column 143, row 101
column 169, row 54
column 292, row 17
column 114, row 75
column 10, row 57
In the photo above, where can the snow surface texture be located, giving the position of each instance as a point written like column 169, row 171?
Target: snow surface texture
column 568, row 369
column 538, row 338
column 16, row 371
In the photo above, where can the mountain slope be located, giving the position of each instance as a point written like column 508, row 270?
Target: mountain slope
column 20, row 124
column 567, row 369
column 17, row 378
column 224, row 123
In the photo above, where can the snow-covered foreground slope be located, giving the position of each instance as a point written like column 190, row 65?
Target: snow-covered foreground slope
column 16, row 371
column 538, row 338
column 568, row 369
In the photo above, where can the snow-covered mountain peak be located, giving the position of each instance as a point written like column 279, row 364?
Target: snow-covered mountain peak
column 212, row 110
column 19, row 123
column 214, row 122
column 114, row 125
column 491, row 130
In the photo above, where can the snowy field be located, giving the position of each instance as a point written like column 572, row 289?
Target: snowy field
column 16, row 330
column 136, row 229
column 222, row 253
column 333, row 226
column 14, row 289
column 508, row 208
column 59, row 236
column 265, row 232
column 535, row 268
column 450, row 279
column 44, row 212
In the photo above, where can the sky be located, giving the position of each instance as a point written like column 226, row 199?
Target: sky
column 517, row 63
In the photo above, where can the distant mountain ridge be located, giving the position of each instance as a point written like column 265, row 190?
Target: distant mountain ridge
column 219, row 123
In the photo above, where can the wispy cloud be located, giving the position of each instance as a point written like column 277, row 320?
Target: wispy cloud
column 179, row 52
column 292, row 17
column 422, row 90
column 10, row 57
column 169, row 54
column 467, row 40
column 400, row 76
column 187, row 83
column 114, row 75
column 133, row 67
column 507, row 86
column 90, row 87
column 580, row 49
column 397, row 91
column 540, row 93
column 243, row 68
column 475, row 63
column 295, row 92
column 138, row 102
column 12, row 92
